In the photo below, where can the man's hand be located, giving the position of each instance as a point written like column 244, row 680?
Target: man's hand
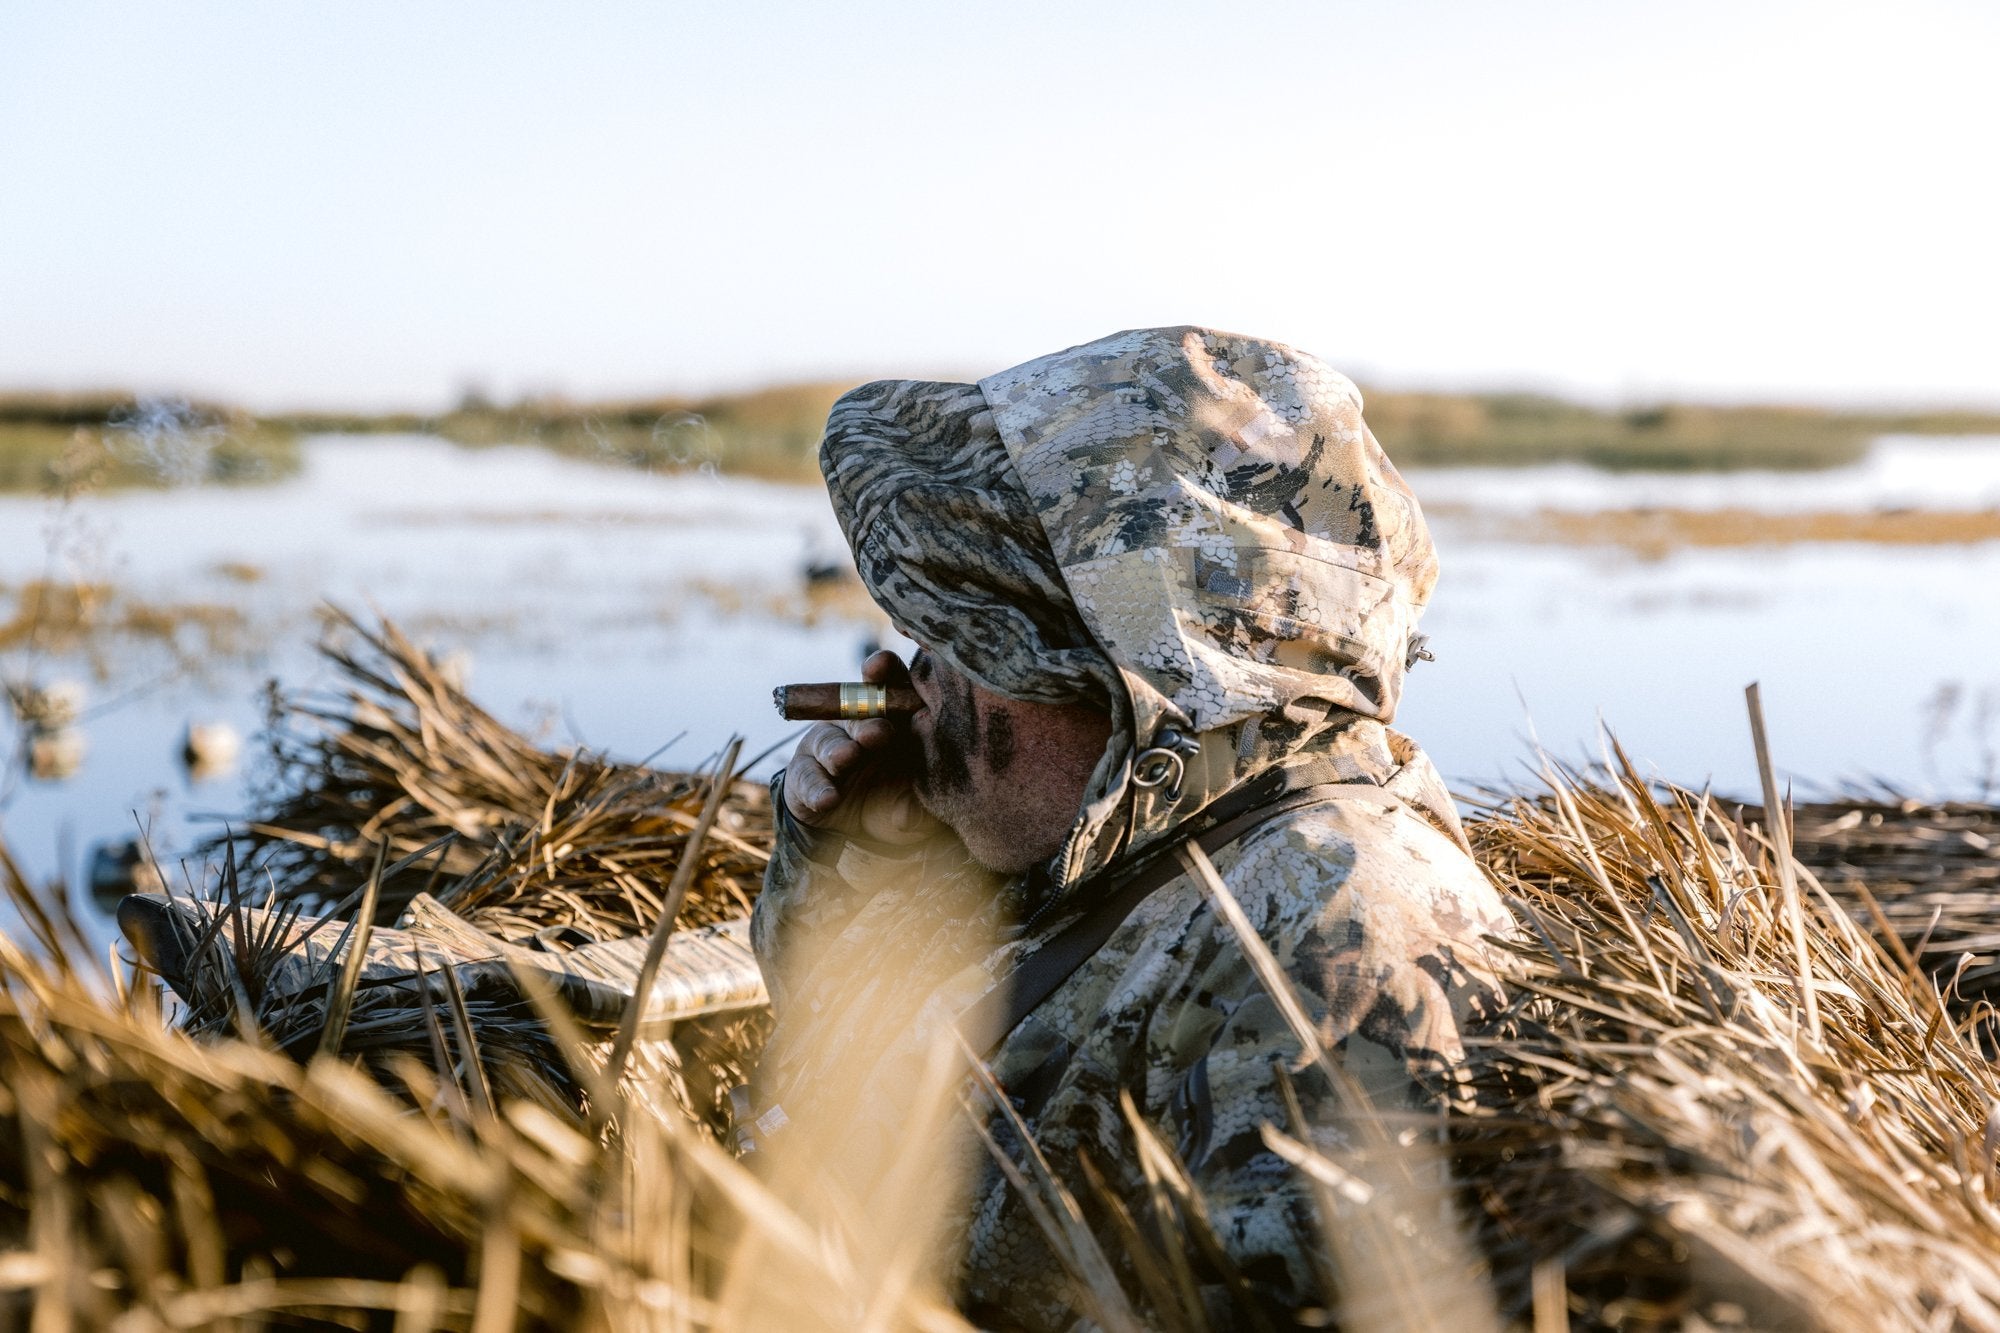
column 855, row 777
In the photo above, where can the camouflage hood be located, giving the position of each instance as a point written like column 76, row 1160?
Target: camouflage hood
column 1193, row 529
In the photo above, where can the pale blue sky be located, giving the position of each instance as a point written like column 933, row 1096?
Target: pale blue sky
column 374, row 203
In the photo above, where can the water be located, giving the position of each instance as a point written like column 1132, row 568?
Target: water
column 625, row 610
column 1899, row 472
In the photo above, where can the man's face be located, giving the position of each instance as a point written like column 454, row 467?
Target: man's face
column 1008, row 777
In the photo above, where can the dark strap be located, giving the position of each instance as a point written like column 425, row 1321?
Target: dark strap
column 992, row 1018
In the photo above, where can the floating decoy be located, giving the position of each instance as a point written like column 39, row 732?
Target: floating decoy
column 210, row 749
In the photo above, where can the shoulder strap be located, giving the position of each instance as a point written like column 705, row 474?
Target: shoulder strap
column 992, row 1018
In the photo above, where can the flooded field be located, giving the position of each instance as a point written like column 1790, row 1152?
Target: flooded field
column 630, row 611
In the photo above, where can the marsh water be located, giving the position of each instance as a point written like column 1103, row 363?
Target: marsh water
column 630, row 611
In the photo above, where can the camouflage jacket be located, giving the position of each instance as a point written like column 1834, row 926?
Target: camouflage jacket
column 1251, row 567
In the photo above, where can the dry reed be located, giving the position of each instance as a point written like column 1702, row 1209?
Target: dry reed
column 151, row 1180
column 531, row 847
column 516, row 839
column 1655, row 532
column 1650, row 1134
column 1658, row 1119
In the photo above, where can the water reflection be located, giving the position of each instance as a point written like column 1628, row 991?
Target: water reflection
column 623, row 610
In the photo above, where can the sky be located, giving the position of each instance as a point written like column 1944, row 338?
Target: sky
column 381, row 205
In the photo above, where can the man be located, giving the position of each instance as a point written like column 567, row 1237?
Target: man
column 1166, row 586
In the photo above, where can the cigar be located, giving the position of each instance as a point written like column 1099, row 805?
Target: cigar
column 845, row 701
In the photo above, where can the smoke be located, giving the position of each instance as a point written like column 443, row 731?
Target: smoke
column 169, row 437
column 683, row 440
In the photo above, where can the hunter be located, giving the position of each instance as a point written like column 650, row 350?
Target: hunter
column 1165, row 586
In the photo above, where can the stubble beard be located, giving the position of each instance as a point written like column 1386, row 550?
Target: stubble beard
column 944, row 768
column 962, row 734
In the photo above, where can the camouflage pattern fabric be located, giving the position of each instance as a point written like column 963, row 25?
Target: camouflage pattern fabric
column 1229, row 529
column 948, row 541
column 1215, row 515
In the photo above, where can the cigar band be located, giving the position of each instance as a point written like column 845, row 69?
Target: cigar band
column 858, row 702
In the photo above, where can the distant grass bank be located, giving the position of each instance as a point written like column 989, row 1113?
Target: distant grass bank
column 1422, row 429
column 116, row 440
column 56, row 442
column 770, row 433
column 1653, row 533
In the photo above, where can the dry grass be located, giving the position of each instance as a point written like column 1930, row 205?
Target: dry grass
column 1655, row 1133
column 1516, row 429
column 514, row 838
column 240, row 571
column 62, row 445
column 1653, row 533
column 772, row 433
column 152, row 1180
column 1931, row 872
column 1659, row 1117
column 526, row 845
column 57, row 616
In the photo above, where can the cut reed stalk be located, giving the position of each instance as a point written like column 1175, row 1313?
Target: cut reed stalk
column 1777, row 824
column 656, row 947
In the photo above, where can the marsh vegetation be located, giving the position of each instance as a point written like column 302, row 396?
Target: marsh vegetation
column 119, row 440
column 85, row 442
column 1744, row 1078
